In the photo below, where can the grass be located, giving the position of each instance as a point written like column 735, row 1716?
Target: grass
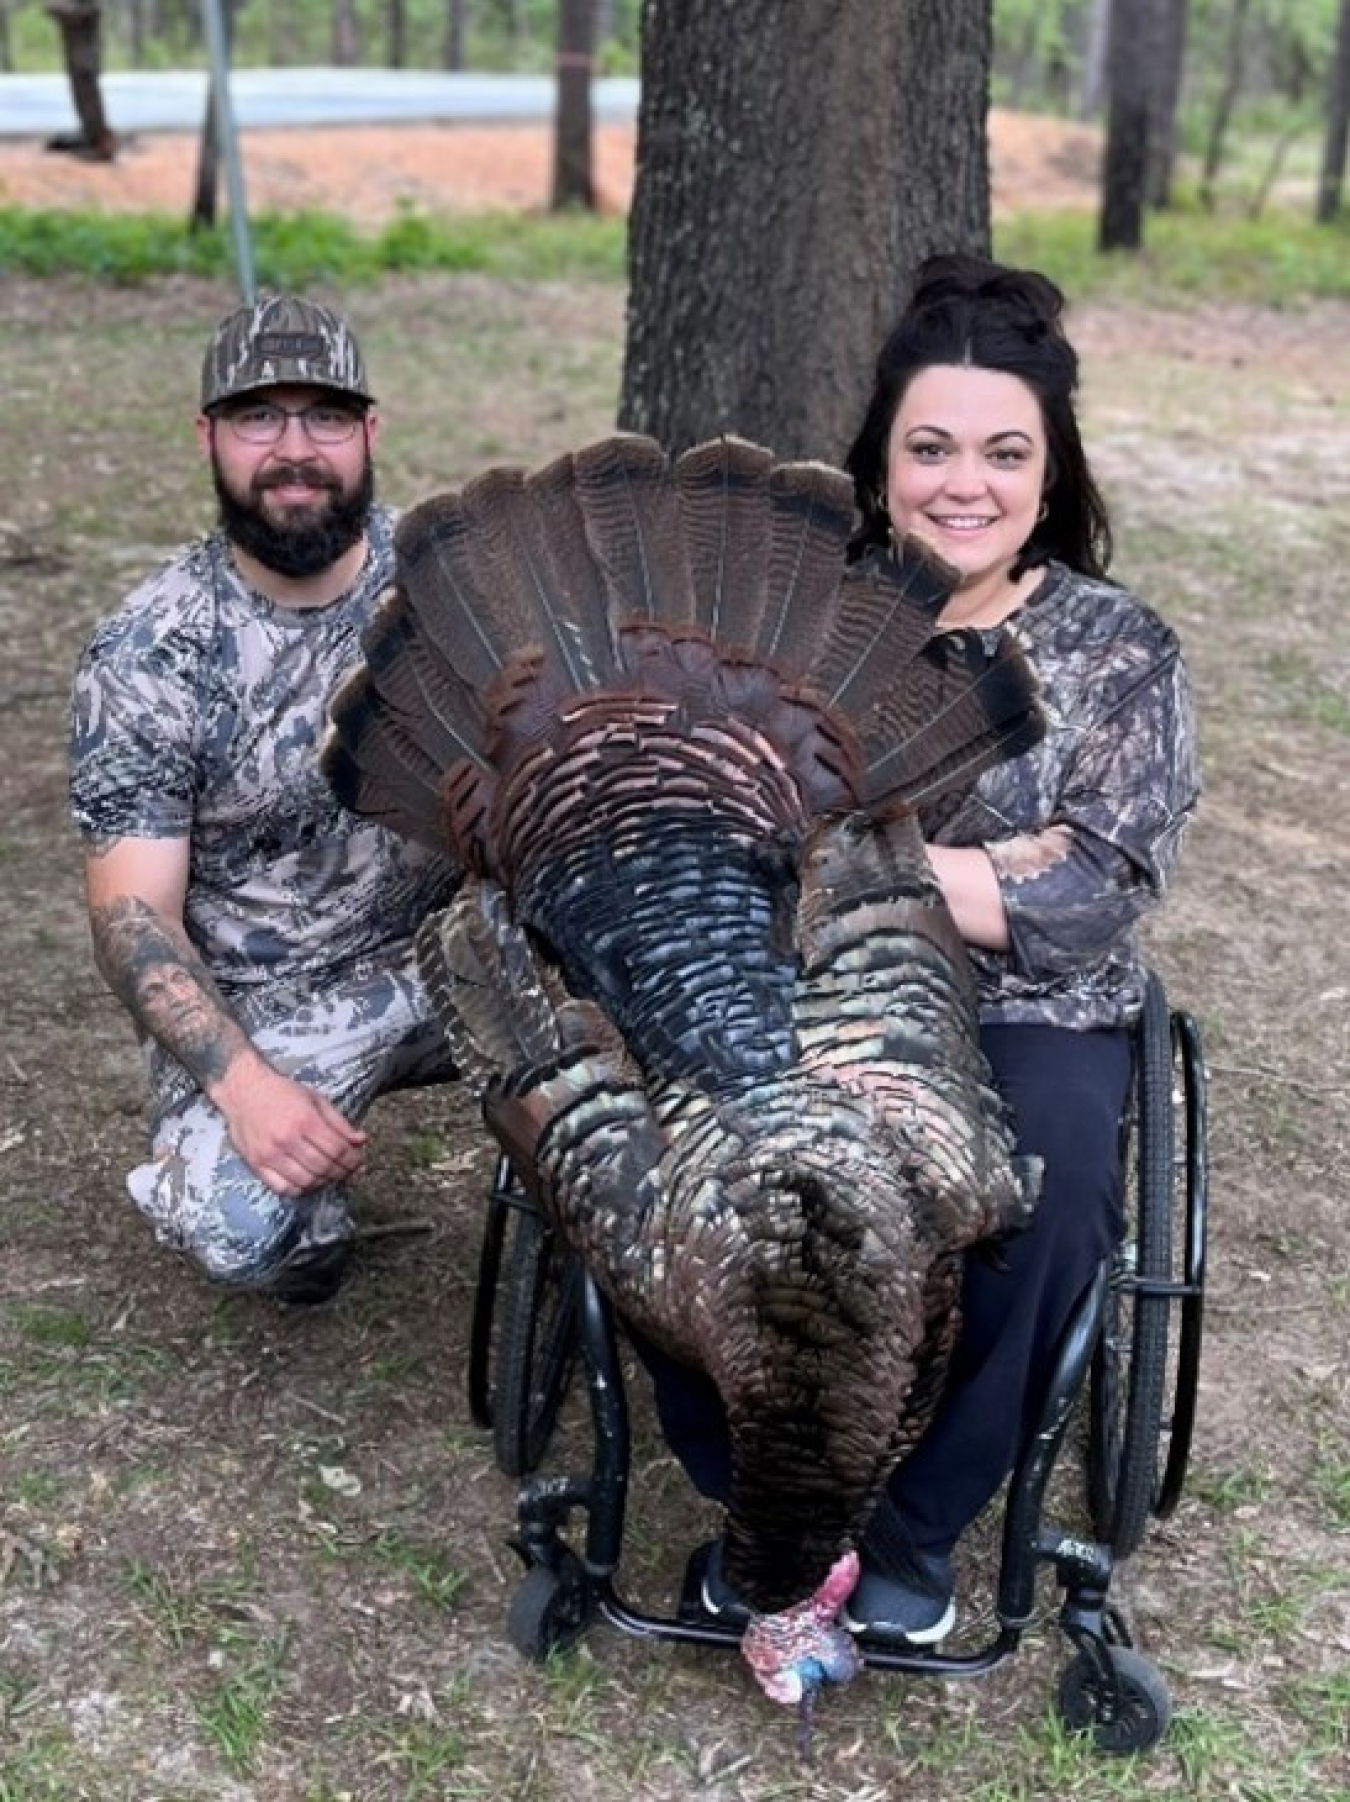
column 298, row 250
column 233, row 1714
column 1281, row 260
column 1189, row 255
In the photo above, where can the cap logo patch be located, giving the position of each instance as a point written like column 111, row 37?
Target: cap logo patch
column 297, row 345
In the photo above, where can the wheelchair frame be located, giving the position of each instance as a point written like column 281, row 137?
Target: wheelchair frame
column 531, row 1329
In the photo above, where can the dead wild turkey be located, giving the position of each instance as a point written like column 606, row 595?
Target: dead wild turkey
column 699, row 969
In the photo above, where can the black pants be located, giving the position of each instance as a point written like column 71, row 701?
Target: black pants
column 1066, row 1090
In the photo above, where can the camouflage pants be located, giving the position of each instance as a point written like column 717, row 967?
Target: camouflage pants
column 351, row 1041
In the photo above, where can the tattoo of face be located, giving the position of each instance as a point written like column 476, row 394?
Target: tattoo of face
column 158, row 977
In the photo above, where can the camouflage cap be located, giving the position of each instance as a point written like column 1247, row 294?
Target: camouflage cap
column 281, row 339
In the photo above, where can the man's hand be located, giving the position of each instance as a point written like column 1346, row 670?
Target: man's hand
column 292, row 1138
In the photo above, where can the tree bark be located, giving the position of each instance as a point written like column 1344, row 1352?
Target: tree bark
column 456, row 27
column 1125, row 164
column 794, row 166
column 573, row 146
column 346, row 35
column 1331, row 183
column 80, row 23
column 1168, row 65
column 398, row 34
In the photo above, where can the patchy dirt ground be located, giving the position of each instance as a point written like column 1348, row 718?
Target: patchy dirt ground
column 255, row 1556
column 368, row 172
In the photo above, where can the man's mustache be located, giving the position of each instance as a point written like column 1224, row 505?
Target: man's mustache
column 293, row 475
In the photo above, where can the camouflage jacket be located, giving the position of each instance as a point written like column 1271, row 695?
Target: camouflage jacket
column 199, row 710
column 1084, row 830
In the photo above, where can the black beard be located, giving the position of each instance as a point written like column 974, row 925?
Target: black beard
column 307, row 547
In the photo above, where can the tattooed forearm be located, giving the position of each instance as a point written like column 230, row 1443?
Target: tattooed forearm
column 153, row 970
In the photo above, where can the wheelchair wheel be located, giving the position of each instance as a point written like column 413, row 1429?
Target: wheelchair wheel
column 1128, row 1714
column 526, row 1328
column 551, row 1609
column 1144, row 1373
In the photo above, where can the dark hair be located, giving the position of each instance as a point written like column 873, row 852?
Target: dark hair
column 968, row 311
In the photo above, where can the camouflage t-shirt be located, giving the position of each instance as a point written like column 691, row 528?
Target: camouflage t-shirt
column 1084, row 830
column 199, row 711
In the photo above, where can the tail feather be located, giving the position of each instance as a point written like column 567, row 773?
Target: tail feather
column 812, row 516
column 414, row 679
column 632, row 519
column 584, row 620
column 948, row 724
column 520, row 570
column 888, row 615
column 723, row 490
column 377, row 767
column 442, row 571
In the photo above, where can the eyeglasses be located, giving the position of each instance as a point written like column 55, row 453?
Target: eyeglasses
column 265, row 423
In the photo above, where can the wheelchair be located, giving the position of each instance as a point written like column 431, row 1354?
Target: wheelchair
column 1128, row 1361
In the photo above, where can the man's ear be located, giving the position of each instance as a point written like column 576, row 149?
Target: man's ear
column 203, row 434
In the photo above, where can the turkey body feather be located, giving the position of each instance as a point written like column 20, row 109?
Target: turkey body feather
column 699, row 969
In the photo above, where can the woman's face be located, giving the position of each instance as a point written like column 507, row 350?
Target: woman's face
column 966, row 467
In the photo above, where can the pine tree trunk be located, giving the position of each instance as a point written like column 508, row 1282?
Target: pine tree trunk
column 80, row 23
column 573, row 168
column 794, row 165
column 398, row 34
column 1168, row 64
column 1125, row 165
column 1332, row 181
column 346, row 35
column 456, row 26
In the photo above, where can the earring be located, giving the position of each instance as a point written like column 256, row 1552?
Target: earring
column 1044, row 513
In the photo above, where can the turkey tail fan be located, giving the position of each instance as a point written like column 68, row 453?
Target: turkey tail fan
column 812, row 518
column 628, row 502
column 723, row 490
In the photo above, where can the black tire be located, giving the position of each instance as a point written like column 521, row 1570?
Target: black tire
column 1130, row 1716
column 550, row 1610
column 536, row 1342
column 1129, row 1381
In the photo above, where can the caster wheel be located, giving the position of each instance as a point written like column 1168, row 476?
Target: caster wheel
column 550, row 1610
column 1134, row 1719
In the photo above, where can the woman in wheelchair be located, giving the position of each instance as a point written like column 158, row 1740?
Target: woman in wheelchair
column 971, row 442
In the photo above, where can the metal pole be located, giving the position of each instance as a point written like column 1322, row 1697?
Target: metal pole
column 227, row 147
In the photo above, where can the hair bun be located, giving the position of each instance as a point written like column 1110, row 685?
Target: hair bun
column 956, row 275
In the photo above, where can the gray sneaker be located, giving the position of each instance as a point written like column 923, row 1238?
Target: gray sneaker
column 916, row 1609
